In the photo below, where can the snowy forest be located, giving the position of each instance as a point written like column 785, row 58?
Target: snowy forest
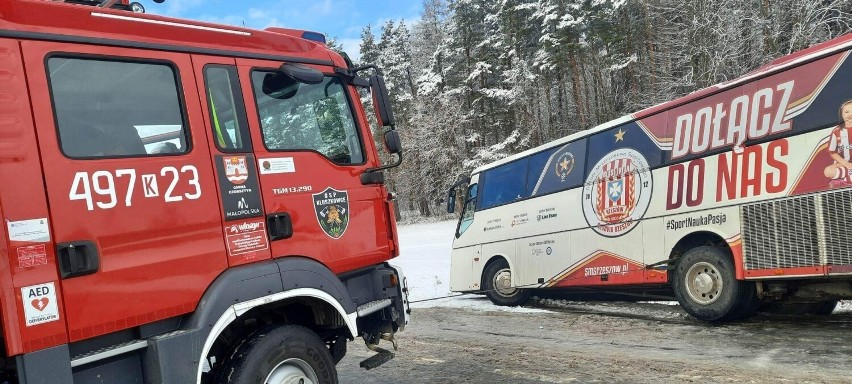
column 474, row 81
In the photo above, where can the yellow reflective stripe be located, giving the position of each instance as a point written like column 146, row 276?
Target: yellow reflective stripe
column 216, row 127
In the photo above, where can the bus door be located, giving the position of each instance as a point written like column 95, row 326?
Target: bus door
column 311, row 145
column 234, row 163
column 466, row 258
column 131, row 191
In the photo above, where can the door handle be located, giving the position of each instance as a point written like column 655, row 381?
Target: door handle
column 77, row 258
column 279, row 225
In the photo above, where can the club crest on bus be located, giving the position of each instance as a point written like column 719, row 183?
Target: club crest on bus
column 332, row 209
column 564, row 165
column 236, row 169
column 617, row 192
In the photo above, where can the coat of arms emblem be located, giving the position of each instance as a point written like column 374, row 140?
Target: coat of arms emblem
column 617, row 192
column 236, row 169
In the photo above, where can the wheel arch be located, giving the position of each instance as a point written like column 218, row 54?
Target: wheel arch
column 265, row 288
column 699, row 239
column 493, row 259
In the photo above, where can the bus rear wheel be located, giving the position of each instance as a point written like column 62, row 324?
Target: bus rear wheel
column 706, row 286
column 280, row 355
column 497, row 282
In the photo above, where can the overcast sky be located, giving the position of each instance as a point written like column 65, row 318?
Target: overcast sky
column 343, row 19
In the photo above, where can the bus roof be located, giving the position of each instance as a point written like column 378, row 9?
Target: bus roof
column 785, row 62
column 56, row 21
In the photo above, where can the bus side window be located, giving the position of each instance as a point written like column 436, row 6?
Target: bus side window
column 227, row 109
column 505, row 184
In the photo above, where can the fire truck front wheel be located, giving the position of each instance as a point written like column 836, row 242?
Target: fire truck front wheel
column 706, row 286
column 279, row 355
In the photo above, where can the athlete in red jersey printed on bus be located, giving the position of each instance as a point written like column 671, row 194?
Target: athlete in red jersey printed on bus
column 840, row 148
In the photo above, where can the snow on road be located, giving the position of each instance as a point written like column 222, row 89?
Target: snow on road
column 425, row 260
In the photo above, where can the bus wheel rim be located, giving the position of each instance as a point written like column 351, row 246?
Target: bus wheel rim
column 503, row 282
column 704, row 283
column 292, row 371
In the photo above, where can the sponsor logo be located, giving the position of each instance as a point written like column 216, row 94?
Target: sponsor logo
column 520, row 219
column 236, row 169
column 332, row 210
column 245, row 227
column 564, row 165
column 617, row 192
column 606, row 270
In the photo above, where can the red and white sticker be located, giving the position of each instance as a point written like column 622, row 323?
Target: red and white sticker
column 31, row 256
column 246, row 237
column 40, row 304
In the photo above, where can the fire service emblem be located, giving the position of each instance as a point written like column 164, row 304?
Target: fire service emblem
column 617, row 192
column 332, row 208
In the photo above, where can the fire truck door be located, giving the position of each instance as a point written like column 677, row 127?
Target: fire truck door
column 312, row 143
column 234, row 163
column 130, row 184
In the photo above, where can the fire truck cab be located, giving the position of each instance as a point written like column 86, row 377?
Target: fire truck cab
column 188, row 202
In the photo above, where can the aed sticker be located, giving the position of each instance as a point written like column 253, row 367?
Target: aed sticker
column 31, row 256
column 246, row 237
column 40, row 304
column 276, row 165
column 35, row 230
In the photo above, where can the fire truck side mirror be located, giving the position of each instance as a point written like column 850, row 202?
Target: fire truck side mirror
column 451, row 200
column 392, row 142
column 381, row 101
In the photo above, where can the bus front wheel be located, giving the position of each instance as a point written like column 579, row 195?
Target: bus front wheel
column 497, row 283
column 706, row 286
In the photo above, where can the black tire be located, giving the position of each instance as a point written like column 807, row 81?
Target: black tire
column 496, row 281
column 706, row 286
column 290, row 351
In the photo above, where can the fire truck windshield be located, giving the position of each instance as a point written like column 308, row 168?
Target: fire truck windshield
column 298, row 116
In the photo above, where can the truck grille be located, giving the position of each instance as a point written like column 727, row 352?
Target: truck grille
column 781, row 233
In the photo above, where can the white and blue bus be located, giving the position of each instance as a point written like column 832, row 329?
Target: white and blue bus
column 734, row 196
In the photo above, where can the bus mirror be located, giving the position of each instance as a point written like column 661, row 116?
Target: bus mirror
column 381, row 101
column 393, row 144
column 302, row 73
column 451, row 200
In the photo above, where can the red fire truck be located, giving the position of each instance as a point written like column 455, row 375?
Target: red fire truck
column 188, row 202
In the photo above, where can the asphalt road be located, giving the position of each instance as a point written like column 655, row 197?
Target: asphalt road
column 609, row 342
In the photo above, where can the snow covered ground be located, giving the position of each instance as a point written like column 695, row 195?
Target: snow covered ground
column 425, row 260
